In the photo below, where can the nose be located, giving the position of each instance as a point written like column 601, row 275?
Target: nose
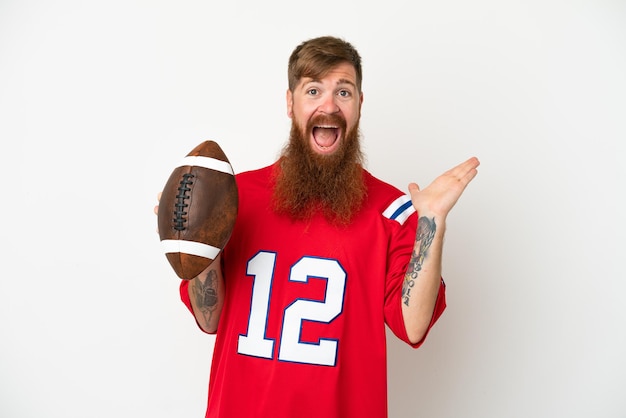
column 328, row 105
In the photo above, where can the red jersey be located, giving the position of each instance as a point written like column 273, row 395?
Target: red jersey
column 302, row 330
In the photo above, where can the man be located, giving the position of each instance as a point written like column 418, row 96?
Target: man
column 322, row 256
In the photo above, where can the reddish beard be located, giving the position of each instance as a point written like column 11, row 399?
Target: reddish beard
column 307, row 183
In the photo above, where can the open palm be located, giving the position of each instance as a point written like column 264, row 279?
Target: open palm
column 442, row 194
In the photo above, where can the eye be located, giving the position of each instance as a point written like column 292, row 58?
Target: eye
column 345, row 93
column 312, row 92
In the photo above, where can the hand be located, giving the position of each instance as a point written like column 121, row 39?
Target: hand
column 156, row 209
column 442, row 194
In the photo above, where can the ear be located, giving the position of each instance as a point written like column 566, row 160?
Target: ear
column 289, row 103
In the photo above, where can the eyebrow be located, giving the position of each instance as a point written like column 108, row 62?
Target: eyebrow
column 341, row 81
column 346, row 81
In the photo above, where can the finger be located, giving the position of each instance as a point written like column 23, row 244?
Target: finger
column 156, row 212
column 465, row 171
column 414, row 187
column 156, row 208
column 469, row 176
column 467, row 165
column 470, row 165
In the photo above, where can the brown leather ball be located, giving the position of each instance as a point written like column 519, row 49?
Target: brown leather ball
column 197, row 210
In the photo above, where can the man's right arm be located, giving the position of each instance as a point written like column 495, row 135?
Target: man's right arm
column 206, row 293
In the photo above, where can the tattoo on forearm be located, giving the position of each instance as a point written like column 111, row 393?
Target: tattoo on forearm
column 205, row 295
column 425, row 233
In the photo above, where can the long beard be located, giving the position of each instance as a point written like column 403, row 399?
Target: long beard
column 307, row 183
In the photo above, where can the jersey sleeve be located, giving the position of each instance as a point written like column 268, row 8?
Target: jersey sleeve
column 184, row 297
column 184, row 294
column 404, row 227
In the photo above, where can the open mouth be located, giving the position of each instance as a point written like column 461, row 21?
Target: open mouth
column 326, row 136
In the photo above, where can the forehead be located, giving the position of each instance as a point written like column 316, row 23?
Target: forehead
column 343, row 73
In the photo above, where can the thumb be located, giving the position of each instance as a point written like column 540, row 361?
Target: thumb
column 413, row 187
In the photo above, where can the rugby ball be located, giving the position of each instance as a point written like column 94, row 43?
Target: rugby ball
column 197, row 210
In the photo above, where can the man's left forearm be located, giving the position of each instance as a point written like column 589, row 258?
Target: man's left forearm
column 423, row 277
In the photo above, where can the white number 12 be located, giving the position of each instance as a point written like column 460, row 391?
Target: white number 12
column 255, row 343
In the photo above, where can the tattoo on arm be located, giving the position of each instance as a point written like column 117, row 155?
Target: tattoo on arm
column 205, row 294
column 425, row 233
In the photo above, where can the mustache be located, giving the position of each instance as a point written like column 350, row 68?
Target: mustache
column 327, row 120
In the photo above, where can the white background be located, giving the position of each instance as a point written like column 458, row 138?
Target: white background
column 99, row 99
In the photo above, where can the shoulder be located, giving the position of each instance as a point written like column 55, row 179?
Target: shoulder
column 259, row 172
column 392, row 203
column 260, row 176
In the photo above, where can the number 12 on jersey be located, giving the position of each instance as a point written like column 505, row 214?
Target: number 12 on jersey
column 255, row 343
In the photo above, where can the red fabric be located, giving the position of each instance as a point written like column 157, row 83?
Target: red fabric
column 310, row 340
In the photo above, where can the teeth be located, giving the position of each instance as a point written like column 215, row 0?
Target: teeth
column 326, row 127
